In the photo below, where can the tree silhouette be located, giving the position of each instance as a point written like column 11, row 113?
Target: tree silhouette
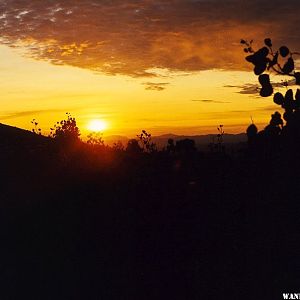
column 118, row 146
column 95, row 139
column 133, row 147
column 66, row 131
column 170, row 146
column 185, row 146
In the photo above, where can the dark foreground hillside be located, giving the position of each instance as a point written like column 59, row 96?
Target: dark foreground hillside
column 97, row 223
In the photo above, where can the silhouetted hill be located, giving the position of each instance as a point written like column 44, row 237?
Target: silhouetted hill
column 13, row 136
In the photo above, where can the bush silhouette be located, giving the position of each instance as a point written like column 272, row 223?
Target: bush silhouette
column 145, row 139
column 185, row 146
column 66, row 131
column 133, row 147
column 217, row 144
column 170, row 146
column 36, row 129
column 118, row 146
column 95, row 139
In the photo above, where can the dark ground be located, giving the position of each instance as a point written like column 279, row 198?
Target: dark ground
column 117, row 225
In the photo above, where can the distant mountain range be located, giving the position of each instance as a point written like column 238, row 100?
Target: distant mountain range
column 13, row 135
column 200, row 140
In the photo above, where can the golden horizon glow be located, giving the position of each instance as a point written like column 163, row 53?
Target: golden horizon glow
column 192, row 104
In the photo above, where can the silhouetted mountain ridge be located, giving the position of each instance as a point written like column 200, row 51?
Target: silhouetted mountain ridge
column 14, row 136
column 205, row 138
column 200, row 140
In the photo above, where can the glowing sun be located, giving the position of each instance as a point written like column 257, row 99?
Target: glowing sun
column 97, row 125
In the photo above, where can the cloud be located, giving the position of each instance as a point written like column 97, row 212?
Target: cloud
column 209, row 101
column 247, row 89
column 134, row 37
column 270, row 108
column 13, row 115
column 253, row 89
column 153, row 86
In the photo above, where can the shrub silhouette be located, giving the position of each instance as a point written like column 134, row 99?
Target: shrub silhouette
column 36, row 129
column 133, row 147
column 185, row 146
column 66, row 131
column 217, row 141
column 145, row 139
column 170, row 146
column 118, row 146
column 95, row 139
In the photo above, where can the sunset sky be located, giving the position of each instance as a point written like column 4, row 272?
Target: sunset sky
column 164, row 66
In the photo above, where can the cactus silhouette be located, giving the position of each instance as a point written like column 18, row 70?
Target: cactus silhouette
column 268, row 61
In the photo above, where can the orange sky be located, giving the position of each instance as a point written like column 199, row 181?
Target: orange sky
column 163, row 66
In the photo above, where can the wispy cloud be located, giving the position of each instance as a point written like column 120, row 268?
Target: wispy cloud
column 269, row 108
column 247, row 89
column 17, row 114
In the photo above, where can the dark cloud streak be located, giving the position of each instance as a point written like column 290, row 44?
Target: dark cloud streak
column 153, row 86
column 253, row 89
column 209, row 101
column 13, row 115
